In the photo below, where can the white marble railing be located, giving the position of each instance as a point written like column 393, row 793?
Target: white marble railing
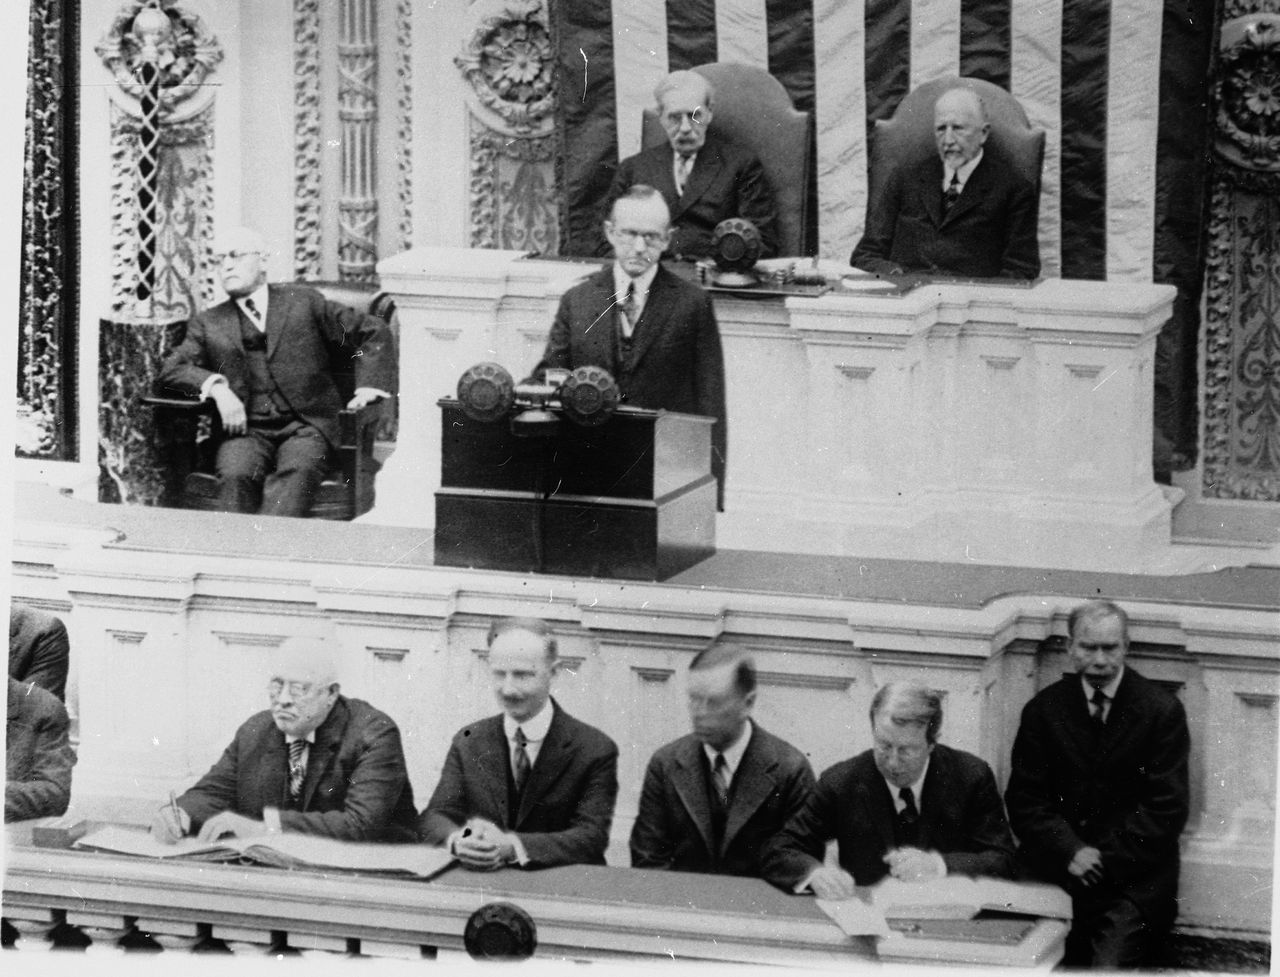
column 998, row 424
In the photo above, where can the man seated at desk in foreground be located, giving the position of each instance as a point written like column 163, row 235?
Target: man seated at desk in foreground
column 1098, row 791
column 909, row 807
column 714, row 798
column 314, row 763
column 266, row 358
column 965, row 212
column 703, row 178
column 532, row 786
column 653, row 332
column 38, row 757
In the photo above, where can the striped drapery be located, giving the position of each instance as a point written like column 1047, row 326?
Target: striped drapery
column 1119, row 86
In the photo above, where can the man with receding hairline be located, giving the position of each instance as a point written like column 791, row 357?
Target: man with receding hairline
column 531, row 787
column 703, row 177
column 964, row 211
column 712, row 799
column 1098, row 794
column 315, row 763
column 909, row 807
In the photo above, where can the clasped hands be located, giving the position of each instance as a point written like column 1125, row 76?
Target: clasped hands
column 170, row 827
column 1086, row 865
column 905, row 864
column 483, row 845
column 235, row 421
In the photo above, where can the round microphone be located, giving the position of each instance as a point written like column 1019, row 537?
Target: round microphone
column 589, row 396
column 486, row 392
column 500, row 931
column 735, row 246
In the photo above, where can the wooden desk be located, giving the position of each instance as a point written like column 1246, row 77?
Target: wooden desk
column 581, row 912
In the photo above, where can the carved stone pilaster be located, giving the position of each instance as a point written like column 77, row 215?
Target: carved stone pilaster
column 1242, row 284
column 358, row 120
column 306, row 139
column 509, row 62
column 404, row 121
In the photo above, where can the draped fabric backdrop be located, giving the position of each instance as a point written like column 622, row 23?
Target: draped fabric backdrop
column 1120, row 88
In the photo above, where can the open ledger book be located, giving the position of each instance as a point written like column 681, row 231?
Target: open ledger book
column 952, row 897
column 286, row 850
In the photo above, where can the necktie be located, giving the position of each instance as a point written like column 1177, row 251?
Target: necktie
column 909, row 817
column 521, row 758
column 1099, row 708
column 297, row 767
column 254, row 314
column 952, row 193
column 683, row 165
column 631, row 308
column 720, row 774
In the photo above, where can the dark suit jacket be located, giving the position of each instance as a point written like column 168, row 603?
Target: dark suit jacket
column 676, row 362
column 38, row 755
column 38, row 649
column 673, row 828
column 1125, row 794
column 309, row 341
column 961, row 817
column 567, row 805
column 726, row 181
column 356, row 787
column 989, row 233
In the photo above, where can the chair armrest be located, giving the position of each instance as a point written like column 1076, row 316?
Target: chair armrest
column 182, row 405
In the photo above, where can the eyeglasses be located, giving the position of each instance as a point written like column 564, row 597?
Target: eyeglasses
column 226, row 256
column 695, row 118
column 650, row 238
column 297, row 690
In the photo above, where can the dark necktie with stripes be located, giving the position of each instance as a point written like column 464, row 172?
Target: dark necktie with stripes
column 952, row 194
column 522, row 765
column 909, row 817
column 297, row 767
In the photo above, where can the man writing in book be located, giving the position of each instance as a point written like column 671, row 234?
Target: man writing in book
column 531, row 787
column 315, row 762
column 909, row 807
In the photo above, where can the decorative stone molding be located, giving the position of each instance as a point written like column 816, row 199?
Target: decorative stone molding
column 509, row 61
column 306, row 139
column 358, row 124
column 514, row 204
column 404, row 121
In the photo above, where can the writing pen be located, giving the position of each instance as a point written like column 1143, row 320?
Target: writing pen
column 173, row 806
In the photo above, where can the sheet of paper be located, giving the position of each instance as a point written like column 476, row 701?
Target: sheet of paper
column 358, row 856
column 135, row 841
column 855, row 917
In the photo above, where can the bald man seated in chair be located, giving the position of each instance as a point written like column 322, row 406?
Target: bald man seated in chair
column 964, row 212
column 315, row 762
column 267, row 358
column 531, row 787
column 703, row 177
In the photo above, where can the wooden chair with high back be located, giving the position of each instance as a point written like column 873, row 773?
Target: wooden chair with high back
column 753, row 109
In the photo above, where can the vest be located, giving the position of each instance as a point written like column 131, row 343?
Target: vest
column 266, row 403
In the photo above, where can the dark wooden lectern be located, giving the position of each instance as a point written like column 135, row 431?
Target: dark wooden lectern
column 632, row 498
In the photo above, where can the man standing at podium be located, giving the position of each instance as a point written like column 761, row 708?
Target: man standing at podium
column 653, row 332
column 713, row 799
column 1098, row 794
column 531, row 787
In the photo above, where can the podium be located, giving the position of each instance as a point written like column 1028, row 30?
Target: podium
column 632, row 498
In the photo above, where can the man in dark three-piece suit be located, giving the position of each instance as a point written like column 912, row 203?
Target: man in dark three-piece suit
column 964, row 212
column 38, row 649
column 703, row 178
column 315, row 763
column 1098, row 794
column 653, row 332
column 38, row 757
column 909, row 807
column 713, row 799
column 532, row 787
column 268, row 358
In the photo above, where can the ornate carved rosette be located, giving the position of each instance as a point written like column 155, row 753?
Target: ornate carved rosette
column 510, row 62
column 306, row 138
column 1247, row 96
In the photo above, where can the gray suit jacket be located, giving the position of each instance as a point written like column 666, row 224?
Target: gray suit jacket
column 673, row 828
column 38, row 649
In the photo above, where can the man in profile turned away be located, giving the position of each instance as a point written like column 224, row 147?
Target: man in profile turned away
column 38, row 757
column 269, row 357
column 712, row 799
column 704, row 178
column 965, row 212
column 909, row 807
column 531, row 787
column 315, row 762
column 1098, row 794
column 654, row 333
column 39, row 650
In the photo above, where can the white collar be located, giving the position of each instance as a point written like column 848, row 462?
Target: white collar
column 733, row 753
column 963, row 173
column 309, row 738
column 259, row 297
column 535, row 729
column 917, row 788
column 1109, row 690
column 642, row 282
